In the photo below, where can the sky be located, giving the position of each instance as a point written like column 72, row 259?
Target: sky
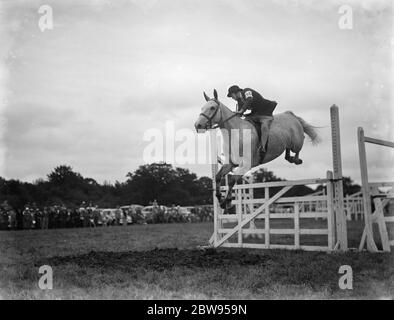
column 84, row 92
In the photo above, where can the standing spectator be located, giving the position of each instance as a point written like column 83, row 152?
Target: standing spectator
column 118, row 215
column 125, row 216
column 27, row 219
column 51, row 217
column 75, row 218
column 83, row 214
column 34, row 212
column 155, row 215
column 136, row 215
column 171, row 213
column 19, row 219
column 84, row 217
column 3, row 219
column 96, row 217
column 37, row 218
column 68, row 218
column 90, row 216
column 62, row 217
column 106, row 217
column 12, row 219
column 198, row 213
column 45, row 218
column 160, row 214
column 56, row 217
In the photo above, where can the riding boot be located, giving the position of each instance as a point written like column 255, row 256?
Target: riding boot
column 265, row 123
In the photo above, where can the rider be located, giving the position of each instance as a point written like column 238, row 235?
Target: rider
column 261, row 109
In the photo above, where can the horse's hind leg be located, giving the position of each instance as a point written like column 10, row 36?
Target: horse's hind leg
column 296, row 160
column 288, row 157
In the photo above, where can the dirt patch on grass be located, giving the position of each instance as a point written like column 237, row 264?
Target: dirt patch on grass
column 162, row 259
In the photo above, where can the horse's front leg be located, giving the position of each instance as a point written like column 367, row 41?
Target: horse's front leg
column 232, row 180
column 237, row 175
column 225, row 169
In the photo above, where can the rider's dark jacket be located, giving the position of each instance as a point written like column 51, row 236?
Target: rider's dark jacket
column 252, row 100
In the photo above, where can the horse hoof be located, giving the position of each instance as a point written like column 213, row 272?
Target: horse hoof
column 225, row 204
column 297, row 161
column 290, row 159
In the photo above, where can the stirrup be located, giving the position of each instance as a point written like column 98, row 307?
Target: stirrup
column 261, row 149
column 261, row 154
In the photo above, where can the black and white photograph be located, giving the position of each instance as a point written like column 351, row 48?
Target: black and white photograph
column 211, row 152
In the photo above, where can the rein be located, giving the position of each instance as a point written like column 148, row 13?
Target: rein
column 221, row 122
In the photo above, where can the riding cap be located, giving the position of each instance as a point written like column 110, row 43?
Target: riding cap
column 233, row 89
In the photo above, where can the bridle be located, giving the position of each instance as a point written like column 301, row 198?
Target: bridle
column 221, row 122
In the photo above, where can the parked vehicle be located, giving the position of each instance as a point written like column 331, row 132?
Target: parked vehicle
column 149, row 209
column 186, row 210
column 151, row 216
column 132, row 207
column 128, row 218
column 189, row 214
column 107, row 216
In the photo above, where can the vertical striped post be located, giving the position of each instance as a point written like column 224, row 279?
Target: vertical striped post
column 241, row 193
column 267, row 219
column 338, row 185
column 296, row 225
column 330, row 212
column 214, row 167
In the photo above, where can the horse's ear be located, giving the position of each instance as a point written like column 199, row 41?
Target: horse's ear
column 206, row 97
column 215, row 94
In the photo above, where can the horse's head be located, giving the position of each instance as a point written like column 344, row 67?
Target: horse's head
column 210, row 113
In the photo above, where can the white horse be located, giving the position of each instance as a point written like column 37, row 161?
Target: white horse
column 286, row 134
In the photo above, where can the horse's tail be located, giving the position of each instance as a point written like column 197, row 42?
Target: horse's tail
column 309, row 130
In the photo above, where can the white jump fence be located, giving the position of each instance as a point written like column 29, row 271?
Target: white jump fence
column 353, row 205
column 266, row 217
column 382, row 216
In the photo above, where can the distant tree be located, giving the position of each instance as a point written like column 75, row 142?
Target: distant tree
column 64, row 175
column 204, row 191
column 167, row 185
column 15, row 192
column 264, row 175
column 348, row 186
column 160, row 181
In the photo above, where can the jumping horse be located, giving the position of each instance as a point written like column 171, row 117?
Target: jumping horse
column 286, row 135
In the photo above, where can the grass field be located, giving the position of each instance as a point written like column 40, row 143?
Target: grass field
column 161, row 261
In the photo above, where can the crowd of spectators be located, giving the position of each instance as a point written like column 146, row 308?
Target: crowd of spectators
column 174, row 214
column 51, row 217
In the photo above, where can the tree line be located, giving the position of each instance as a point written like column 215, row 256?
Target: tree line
column 157, row 181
